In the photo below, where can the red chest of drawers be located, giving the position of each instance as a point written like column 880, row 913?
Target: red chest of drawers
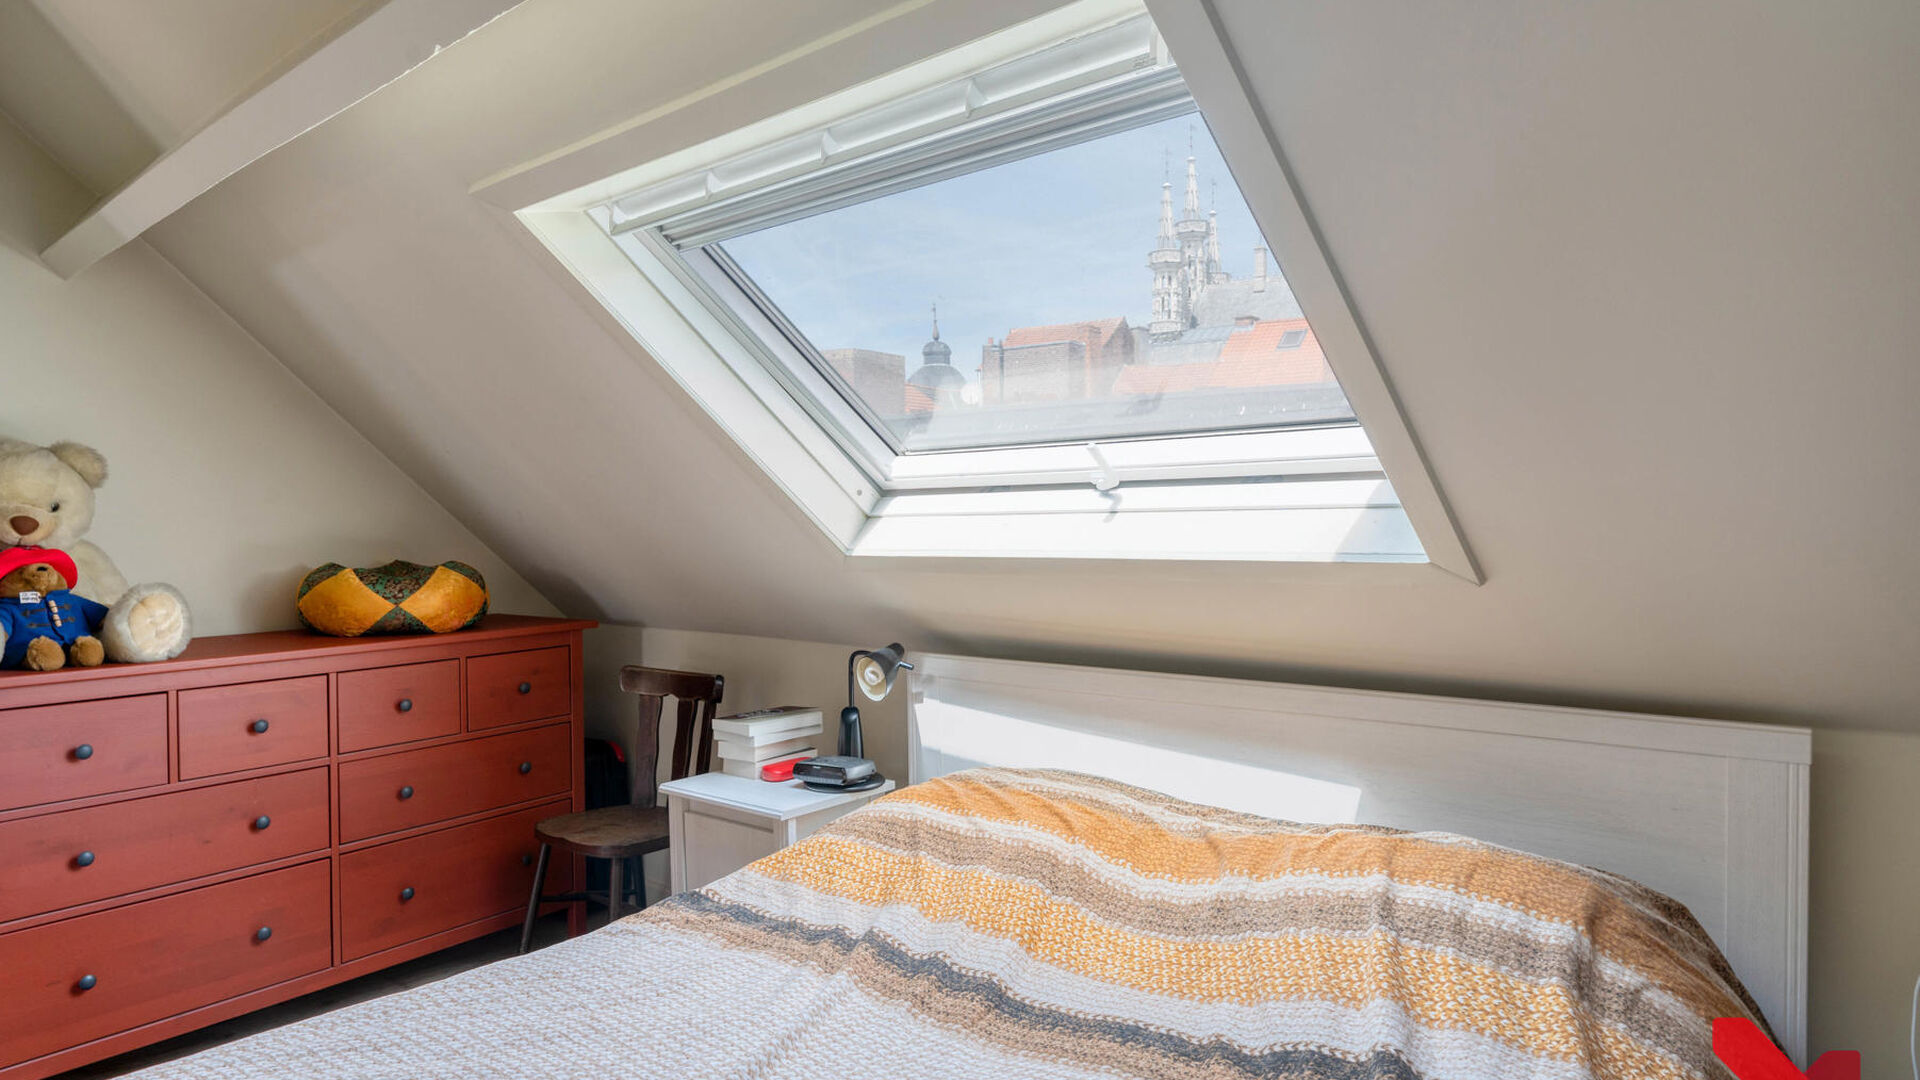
column 269, row 814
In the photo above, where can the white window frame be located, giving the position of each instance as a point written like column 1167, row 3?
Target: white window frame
column 1298, row 494
column 1293, row 452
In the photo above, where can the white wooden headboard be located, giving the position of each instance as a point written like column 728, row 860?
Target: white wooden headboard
column 1713, row 814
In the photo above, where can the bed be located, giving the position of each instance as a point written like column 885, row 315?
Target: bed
column 1032, row 922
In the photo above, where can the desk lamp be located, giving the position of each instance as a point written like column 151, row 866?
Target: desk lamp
column 872, row 672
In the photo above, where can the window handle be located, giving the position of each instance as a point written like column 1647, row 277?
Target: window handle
column 1105, row 477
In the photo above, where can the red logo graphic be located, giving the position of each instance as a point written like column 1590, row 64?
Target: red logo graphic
column 1747, row 1052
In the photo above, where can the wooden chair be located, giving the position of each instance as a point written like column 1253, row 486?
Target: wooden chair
column 620, row 833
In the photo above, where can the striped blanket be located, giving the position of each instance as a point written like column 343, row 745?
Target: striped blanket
column 1026, row 924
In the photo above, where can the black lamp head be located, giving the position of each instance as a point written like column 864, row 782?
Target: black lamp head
column 874, row 672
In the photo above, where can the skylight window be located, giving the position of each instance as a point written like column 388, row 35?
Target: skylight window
column 1007, row 301
column 1111, row 289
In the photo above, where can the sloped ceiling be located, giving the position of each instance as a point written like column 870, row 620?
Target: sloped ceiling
column 1642, row 275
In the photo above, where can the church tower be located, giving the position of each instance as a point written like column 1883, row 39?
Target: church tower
column 937, row 376
column 1191, row 231
column 1169, row 304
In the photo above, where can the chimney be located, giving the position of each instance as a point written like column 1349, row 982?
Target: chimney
column 1259, row 269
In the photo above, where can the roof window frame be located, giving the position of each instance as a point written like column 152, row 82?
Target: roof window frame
column 873, row 499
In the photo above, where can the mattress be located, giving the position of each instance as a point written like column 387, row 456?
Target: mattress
column 1029, row 924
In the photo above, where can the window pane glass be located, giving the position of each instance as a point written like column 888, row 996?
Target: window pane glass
column 1111, row 289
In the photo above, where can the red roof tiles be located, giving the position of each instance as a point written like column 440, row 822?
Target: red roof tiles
column 1095, row 332
column 1249, row 357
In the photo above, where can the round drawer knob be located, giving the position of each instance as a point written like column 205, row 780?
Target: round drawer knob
column 83, row 751
column 262, row 821
column 87, row 982
column 526, row 860
column 85, row 858
column 407, row 792
column 526, row 688
column 263, row 933
column 406, row 893
column 406, row 704
column 526, row 767
column 258, row 727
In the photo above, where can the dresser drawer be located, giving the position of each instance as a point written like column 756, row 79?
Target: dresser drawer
column 515, row 687
column 158, row 840
column 418, row 787
column 391, row 705
column 227, row 729
column 409, row 889
column 55, row 752
column 151, row 960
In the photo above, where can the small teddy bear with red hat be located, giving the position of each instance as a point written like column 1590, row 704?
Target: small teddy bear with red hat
column 43, row 624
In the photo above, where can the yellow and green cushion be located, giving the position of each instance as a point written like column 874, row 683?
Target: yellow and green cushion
column 398, row 598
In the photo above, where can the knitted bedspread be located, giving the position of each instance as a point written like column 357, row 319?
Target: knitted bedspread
column 1005, row 923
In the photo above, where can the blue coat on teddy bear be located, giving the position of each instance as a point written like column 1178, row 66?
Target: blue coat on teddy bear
column 27, row 615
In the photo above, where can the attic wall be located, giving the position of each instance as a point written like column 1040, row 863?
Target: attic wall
column 1642, row 276
column 229, row 477
column 1864, row 947
column 1661, row 364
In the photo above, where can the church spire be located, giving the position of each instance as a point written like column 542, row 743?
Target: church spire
column 1215, row 274
column 1164, row 260
column 1190, row 232
column 935, row 351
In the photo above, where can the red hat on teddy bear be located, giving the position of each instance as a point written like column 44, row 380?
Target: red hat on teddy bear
column 14, row 558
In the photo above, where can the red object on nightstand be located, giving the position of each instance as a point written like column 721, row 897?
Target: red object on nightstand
column 779, row 771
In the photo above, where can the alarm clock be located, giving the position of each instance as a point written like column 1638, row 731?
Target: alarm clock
column 838, row 773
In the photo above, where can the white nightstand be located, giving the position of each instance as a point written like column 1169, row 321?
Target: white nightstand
column 719, row 823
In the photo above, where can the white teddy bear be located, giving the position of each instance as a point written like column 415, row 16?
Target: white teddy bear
column 46, row 500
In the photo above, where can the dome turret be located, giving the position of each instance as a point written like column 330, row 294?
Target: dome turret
column 937, row 375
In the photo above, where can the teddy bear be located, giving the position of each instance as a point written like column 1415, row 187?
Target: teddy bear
column 47, row 500
column 42, row 623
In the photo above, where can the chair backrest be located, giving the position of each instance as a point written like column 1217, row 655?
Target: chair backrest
column 699, row 698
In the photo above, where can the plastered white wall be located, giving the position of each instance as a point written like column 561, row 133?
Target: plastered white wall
column 1642, row 276
column 229, row 477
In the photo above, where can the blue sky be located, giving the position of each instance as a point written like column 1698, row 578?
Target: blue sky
column 1055, row 238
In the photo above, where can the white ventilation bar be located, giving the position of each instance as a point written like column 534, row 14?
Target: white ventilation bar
column 1102, row 82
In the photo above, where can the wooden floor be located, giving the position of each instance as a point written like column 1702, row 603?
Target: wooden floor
column 430, row 968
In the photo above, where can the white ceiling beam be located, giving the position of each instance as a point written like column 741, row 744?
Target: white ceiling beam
column 386, row 44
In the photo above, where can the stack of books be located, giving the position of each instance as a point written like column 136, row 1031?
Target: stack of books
column 748, row 742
